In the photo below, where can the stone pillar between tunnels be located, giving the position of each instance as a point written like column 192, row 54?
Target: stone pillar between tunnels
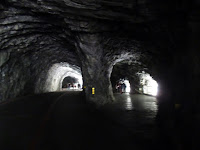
column 134, row 84
column 96, row 70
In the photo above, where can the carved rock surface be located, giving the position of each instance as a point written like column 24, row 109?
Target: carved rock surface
column 95, row 36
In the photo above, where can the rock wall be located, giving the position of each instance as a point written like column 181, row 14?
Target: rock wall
column 29, row 46
column 96, row 35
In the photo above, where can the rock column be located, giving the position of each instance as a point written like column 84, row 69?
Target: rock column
column 95, row 69
column 134, row 84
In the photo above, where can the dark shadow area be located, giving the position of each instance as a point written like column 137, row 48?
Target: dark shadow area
column 64, row 120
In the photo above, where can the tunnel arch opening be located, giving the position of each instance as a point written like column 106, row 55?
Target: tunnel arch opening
column 56, row 75
column 71, row 83
column 68, row 80
column 122, row 86
column 148, row 85
column 121, row 74
column 136, row 81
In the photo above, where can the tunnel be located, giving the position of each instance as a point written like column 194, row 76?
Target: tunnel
column 57, row 75
column 99, row 74
column 68, row 80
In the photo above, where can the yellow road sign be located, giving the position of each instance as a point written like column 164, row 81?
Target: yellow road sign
column 93, row 90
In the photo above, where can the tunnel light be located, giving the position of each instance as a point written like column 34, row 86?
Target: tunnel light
column 150, row 86
column 57, row 73
column 127, row 83
column 72, row 73
column 153, row 88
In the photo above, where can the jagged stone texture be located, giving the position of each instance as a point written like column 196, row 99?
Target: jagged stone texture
column 94, row 35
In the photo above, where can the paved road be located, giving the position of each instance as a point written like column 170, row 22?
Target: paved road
column 64, row 120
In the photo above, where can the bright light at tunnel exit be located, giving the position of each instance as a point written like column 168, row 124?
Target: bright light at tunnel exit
column 57, row 73
column 70, row 72
column 150, row 86
column 128, row 88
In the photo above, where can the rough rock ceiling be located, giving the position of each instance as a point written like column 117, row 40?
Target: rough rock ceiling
column 35, row 34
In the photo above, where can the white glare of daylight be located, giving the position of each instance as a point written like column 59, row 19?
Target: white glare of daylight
column 128, row 104
column 57, row 73
column 150, row 86
column 73, row 73
column 128, row 89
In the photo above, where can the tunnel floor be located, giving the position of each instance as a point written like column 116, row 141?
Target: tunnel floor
column 63, row 120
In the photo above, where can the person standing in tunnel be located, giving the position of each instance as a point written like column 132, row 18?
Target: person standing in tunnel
column 123, row 88
column 79, row 86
